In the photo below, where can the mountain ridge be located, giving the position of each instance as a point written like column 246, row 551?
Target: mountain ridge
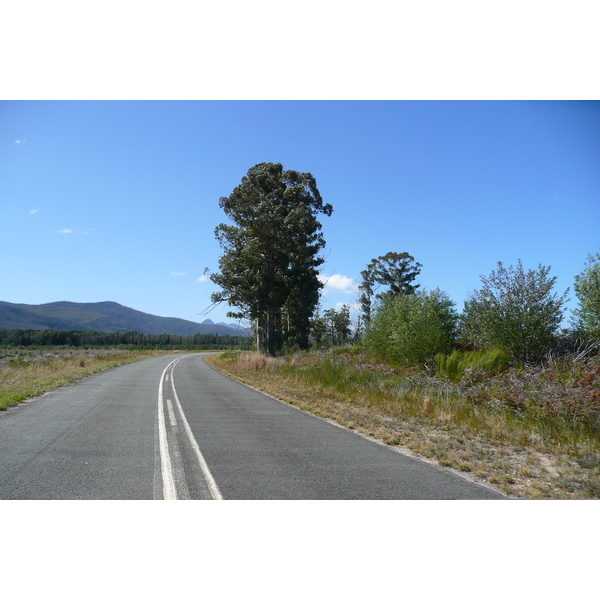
column 107, row 317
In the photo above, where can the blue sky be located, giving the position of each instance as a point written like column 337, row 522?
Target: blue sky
column 118, row 200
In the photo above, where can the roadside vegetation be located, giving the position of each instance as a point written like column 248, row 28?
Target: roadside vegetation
column 531, row 432
column 498, row 391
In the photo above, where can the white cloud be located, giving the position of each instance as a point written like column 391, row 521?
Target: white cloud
column 35, row 210
column 338, row 283
column 176, row 274
column 202, row 278
column 20, row 141
column 67, row 230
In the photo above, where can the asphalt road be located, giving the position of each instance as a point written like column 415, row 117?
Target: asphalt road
column 175, row 428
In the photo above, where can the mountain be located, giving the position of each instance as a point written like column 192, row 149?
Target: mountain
column 246, row 330
column 108, row 317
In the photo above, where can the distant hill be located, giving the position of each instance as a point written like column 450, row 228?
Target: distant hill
column 108, row 317
column 232, row 325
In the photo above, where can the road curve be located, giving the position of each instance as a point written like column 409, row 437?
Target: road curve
column 174, row 428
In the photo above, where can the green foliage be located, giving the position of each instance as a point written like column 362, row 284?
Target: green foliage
column 318, row 330
column 453, row 365
column 11, row 338
column 366, row 297
column 331, row 328
column 411, row 329
column 338, row 325
column 395, row 271
column 335, row 373
column 18, row 363
column 515, row 311
column 268, row 269
column 587, row 288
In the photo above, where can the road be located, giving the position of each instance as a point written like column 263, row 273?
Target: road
column 174, row 428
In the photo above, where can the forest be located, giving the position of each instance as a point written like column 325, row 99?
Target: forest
column 10, row 338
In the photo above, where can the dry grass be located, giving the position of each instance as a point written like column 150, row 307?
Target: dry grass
column 253, row 361
column 30, row 372
column 532, row 434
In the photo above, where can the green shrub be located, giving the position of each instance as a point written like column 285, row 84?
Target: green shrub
column 453, row 365
column 515, row 310
column 586, row 317
column 410, row 329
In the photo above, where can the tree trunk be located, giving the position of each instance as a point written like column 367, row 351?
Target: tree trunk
column 271, row 331
column 260, row 335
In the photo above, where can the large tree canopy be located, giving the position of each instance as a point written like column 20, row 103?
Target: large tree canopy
column 395, row 271
column 270, row 260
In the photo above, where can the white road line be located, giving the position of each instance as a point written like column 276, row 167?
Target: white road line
column 212, row 484
column 166, row 467
column 172, row 418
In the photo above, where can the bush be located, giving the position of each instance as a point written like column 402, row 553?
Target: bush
column 587, row 289
column 515, row 311
column 410, row 329
column 455, row 364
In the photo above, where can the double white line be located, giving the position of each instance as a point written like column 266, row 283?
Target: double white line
column 166, row 465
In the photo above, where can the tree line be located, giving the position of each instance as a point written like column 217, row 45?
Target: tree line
column 515, row 311
column 52, row 337
column 269, row 274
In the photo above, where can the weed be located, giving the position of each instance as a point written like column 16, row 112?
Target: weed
column 427, row 409
column 589, row 461
column 457, row 363
column 18, row 363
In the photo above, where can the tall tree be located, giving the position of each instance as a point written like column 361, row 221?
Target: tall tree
column 318, row 329
column 395, row 271
column 338, row 325
column 366, row 288
column 270, row 260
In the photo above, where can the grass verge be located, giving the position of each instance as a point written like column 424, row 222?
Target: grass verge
column 531, row 434
column 30, row 371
